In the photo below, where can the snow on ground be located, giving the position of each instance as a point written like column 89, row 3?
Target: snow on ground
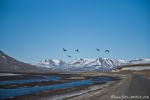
column 136, row 68
column 140, row 61
column 75, row 93
column 4, row 57
column 8, row 74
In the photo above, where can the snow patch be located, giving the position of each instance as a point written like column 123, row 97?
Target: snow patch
column 136, row 68
column 139, row 61
column 8, row 74
column 4, row 57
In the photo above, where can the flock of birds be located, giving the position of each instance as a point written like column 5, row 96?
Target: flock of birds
column 77, row 50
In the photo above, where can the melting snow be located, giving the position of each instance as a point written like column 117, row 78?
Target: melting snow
column 8, row 74
column 136, row 68
column 4, row 57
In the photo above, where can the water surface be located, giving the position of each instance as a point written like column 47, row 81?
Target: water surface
column 10, row 93
column 45, row 78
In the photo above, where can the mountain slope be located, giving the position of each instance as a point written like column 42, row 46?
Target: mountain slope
column 8, row 63
column 139, row 61
column 49, row 63
column 81, row 64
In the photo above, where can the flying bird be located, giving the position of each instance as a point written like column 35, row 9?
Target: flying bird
column 97, row 49
column 77, row 50
column 64, row 49
column 69, row 56
column 107, row 51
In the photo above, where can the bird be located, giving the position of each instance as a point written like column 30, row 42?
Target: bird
column 64, row 49
column 77, row 50
column 97, row 49
column 107, row 51
column 69, row 56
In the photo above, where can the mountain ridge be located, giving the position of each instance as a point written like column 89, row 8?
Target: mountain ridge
column 84, row 64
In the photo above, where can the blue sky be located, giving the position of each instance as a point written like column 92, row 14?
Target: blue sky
column 33, row 30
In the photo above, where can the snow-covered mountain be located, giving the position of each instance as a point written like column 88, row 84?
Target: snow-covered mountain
column 94, row 64
column 51, row 64
column 139, row 61
column 137, row 64
column 8, row 63
column 81, row 64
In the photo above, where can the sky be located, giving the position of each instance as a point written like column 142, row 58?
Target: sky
column 34, row 30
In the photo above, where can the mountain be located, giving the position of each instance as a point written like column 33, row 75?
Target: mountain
column 136, row 64
column 81, row 64
column 139, row 61
column 49, row 63
column 8, row 63
column 94, row 64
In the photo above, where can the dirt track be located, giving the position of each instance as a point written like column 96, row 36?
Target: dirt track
column 139, row 86
column 134, row 87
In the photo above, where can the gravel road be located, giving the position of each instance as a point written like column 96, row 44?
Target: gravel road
column 133, row 87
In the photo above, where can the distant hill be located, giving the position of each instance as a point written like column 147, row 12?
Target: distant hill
column 8, row 63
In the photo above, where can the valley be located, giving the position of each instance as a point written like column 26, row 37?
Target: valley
column 90, row 79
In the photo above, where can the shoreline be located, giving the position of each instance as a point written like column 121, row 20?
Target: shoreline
column 97, row 91
column 65, row 78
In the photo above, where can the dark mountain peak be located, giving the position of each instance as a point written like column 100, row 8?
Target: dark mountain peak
column 1, row 51
column 8, row 63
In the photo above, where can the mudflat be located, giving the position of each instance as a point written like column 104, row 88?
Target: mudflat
column 55, row 82
column 125, row 85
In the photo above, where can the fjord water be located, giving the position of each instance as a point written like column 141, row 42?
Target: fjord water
column 10, row 93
